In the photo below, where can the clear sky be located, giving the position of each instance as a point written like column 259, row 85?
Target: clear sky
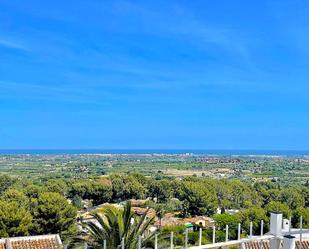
column 154, row 74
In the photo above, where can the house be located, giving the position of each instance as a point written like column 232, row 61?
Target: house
column 202, row 221
column 232, row 211
column 170, row 220
column 138, row 202
column 140, row 211
column 228, row 211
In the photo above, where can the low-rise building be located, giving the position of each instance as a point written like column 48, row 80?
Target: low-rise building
column 171, row 220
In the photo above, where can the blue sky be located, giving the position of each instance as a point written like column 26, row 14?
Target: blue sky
column 154, row 74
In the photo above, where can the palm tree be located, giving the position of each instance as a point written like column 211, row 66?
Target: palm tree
column 114, row 225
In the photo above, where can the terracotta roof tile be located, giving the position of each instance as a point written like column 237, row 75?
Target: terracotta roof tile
column 304, row 244
column 265, row 245
column 256, row 245
column 34, row 242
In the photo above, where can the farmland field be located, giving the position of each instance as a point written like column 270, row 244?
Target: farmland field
column 259, row 168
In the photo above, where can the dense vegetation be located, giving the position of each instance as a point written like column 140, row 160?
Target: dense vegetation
column 50, row 205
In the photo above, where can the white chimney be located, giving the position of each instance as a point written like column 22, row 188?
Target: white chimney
column 288, row 242
column 274, row 243
column 276, row 224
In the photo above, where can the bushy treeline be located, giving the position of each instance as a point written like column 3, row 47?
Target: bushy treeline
column 29, row 208
column 203, row 196
column 40, row 207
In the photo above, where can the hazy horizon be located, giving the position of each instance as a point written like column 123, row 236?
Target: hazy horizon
column 219, row 152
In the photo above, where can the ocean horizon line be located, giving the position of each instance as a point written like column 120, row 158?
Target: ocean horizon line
column 221, row 152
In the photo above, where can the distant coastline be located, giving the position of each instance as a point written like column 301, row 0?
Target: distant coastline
column 156, row 151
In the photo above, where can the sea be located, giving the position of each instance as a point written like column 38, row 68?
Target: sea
column 291, row 153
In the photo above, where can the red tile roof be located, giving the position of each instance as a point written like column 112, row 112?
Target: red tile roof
column 140, row 211
column 34, row 242
column 256, row 245
column 265, row 245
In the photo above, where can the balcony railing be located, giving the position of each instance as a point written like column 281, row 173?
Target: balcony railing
column 275, row 237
